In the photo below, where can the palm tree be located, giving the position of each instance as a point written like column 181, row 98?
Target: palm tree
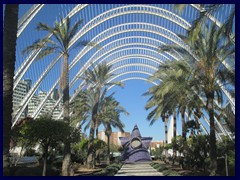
column 81, row 108
column 108, row 113
column 160, row 109
column 62, row 33
column 97, row 78
column 175, row 90
column 110, row 116
column 9, row 58
column 211, row 47
column 208, row 11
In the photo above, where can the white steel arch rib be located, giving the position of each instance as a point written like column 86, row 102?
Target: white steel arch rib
column 127, row 27
column 119, row 11
column 26, row 19
column 132, row 78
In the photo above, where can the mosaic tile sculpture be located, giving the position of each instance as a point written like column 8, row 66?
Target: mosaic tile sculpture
column 135, row 147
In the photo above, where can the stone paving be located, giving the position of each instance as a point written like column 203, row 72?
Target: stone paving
column 138, row 169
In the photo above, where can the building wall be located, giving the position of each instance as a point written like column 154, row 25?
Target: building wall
column 156, row 144
column 19, row 93
column 48, row 107
column 114, row 138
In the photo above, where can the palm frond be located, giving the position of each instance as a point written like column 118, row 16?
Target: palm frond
column 46, row 51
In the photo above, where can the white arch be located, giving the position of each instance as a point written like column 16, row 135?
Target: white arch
column 168, row 38
column 36, row 85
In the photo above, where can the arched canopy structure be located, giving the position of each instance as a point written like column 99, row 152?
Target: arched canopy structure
column 128, row 34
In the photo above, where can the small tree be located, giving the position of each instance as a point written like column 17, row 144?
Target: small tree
column 18, row 138
column 80, row 151
column 226, row 157
column 46, row 132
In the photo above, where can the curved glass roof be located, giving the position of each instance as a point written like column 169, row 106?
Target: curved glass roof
column 129, row 36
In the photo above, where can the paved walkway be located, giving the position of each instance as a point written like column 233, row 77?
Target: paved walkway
column 138, row 169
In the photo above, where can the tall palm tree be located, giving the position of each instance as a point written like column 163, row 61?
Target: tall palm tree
column 161, row 109
column 9, row 58
column 62, row 33
column 97, row 78
column 211, row 47
column 110, row 116
column 82, row 108
column 175, row 90
column 108, row 112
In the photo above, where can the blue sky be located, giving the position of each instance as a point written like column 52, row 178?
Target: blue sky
column 131, row 98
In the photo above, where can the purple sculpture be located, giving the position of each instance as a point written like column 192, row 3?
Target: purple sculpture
column 135, row 148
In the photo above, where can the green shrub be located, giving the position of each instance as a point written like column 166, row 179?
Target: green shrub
column 118, row 166
column 110, row 170
column 174, row 174
column 100, row 173
column 153, row 163
column 169, row 172
column 156, row 166
column 162, row 168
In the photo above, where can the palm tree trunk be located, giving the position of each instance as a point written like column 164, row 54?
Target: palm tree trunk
column 183, row 125
column 65, row 84
column 91, row 153
column 97, row 124
column 45, row 156
column 67, row 148
column 175, row 124
column 91, row 146
column 108, row 149
column 174, row 133
column 213, row 146
column 9, row 58
column 166, row 132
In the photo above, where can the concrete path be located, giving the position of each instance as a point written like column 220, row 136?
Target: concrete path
column 138, row 169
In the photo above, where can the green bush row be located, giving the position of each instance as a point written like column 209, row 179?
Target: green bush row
column 169, row 172
column 110, row 170
column 156, row 166
column 162, row 168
